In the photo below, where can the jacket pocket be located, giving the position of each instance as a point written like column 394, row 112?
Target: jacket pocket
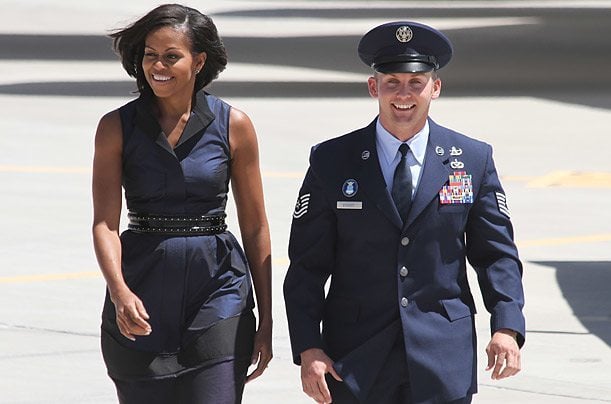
column 456, row 309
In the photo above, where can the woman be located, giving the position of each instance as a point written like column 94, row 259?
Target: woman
column 177, row 324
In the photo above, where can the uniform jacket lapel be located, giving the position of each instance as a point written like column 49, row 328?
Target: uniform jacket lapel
column 372, row 180
column 434, row 175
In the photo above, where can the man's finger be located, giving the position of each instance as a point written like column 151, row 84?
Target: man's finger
column 335, row 375
column 512, row 367
column 491, row 358
column 500, row 361
column 316, row 390
column 312, row 390
column 324, row 390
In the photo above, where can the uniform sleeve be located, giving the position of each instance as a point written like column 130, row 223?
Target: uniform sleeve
column 312, row 256
column 492, row 252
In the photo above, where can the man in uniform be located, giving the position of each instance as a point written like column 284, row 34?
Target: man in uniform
column 391, row 213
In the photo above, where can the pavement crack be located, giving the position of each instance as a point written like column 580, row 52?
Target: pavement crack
column 546, row 394
column 558, row 332
column 48, row 330
column 46, row 354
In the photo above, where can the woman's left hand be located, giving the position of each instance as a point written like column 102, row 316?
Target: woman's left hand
column 262, row 351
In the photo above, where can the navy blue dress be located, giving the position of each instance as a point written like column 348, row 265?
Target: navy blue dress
column 196, row 289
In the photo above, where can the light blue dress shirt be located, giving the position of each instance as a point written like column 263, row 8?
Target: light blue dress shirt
column 388, row 154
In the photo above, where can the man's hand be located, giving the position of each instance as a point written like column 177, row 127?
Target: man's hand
column 503, row 350
column 314, row 365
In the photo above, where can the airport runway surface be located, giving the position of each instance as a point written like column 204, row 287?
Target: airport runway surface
column 531, row 78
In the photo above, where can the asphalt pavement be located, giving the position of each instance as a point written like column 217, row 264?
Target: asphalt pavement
column 531, row 78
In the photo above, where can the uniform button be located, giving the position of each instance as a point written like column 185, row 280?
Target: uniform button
column 403, row 272
column 405, row 241
column 404, row 302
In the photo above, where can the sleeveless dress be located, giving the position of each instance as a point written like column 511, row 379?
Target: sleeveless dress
column 196, row 289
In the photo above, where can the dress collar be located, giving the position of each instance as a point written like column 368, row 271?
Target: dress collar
column 201, row 116
column 389, row 145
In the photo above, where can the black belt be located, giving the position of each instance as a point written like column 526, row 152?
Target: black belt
column 179, row 225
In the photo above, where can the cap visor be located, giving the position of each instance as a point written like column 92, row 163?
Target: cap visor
column 404, row 67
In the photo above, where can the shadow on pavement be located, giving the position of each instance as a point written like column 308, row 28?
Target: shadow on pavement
column 585, row 286
column 556, row 53
column 299, row 89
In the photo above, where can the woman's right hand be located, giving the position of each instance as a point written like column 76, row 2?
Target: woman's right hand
column 131, row 314
column 106, row 185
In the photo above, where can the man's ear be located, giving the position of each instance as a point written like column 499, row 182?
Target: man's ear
column 372, row 86
column 436, row 89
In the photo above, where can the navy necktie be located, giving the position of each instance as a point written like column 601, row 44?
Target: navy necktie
column 402, row 184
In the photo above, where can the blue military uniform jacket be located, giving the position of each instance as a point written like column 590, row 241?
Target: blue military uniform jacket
column 388, row 277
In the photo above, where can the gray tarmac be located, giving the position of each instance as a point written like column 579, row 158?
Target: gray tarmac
column 531, row 78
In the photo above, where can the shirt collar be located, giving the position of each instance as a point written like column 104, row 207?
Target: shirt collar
column 388, row 145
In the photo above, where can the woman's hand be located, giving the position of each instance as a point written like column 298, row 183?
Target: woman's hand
column 248, row 193
column 106, row 186
column 262, row 351
column 131, row 314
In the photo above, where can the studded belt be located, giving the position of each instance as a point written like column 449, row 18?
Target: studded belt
column 178, row 225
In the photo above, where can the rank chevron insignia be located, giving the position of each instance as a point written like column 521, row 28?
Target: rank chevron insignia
column 301, row 207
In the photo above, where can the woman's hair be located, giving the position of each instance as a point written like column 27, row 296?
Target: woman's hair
column 128, row 42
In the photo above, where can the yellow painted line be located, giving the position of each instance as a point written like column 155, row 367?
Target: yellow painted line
column 87, row 170
column 517, row 178
column 572, row 179
column 284, row 261
column 281, row 261
column 82, row 275
column 594, row 238
column 44, row 169
column 567, row 179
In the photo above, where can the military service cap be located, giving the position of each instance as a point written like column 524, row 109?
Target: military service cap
column 404, row 47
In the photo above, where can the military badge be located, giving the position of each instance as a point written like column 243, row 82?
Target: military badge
column 459, row 190
column 404, row 34
column 301, row 207
column 350, row 188
column 439, row 150
column 365, row 155
column 456, row 164
column 455, row 151
column 501, row 201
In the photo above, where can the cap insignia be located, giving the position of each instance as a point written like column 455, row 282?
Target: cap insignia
column 404, row 34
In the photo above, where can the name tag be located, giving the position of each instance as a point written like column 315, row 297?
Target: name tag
column 349, row 205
